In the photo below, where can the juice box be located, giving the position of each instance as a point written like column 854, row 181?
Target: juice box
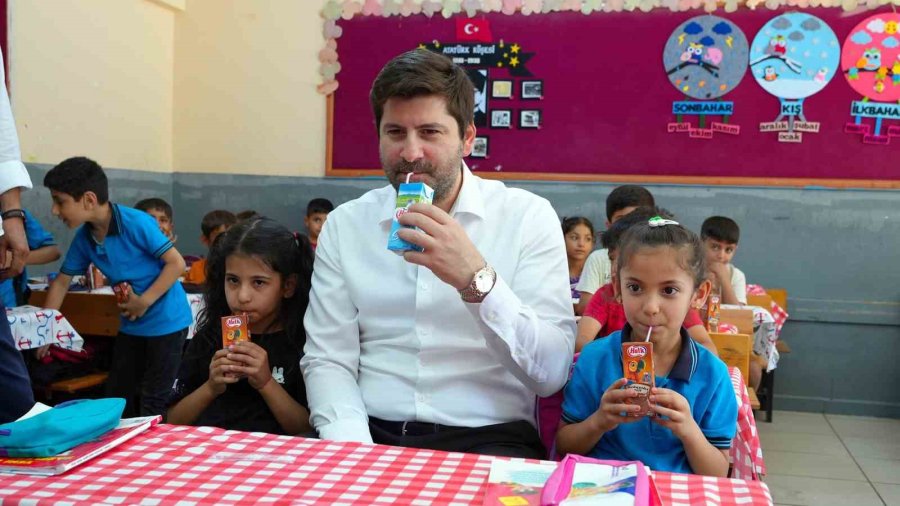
column 637, row 362
column 235, row 328
column 122, row 291
column 407, row 195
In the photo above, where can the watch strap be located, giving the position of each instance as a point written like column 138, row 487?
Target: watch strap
column 13, row 213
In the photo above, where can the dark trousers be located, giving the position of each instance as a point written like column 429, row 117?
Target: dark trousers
column 16, row 397
column 512, row 439
column 147, row 366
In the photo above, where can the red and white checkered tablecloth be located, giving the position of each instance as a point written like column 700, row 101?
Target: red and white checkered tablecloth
column 204, row 466
column 746, row 450
column 693, row 490
column 778, row 312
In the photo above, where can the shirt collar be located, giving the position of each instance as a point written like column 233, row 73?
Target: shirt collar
column 469, row 199
column 685, row 364
column 114, row 222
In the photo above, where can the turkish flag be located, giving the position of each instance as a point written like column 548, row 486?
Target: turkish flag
column 473, row 30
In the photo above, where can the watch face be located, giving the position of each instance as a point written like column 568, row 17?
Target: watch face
column 483, row 281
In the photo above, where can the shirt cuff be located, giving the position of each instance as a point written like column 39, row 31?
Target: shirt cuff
column 499, row 308
column 13, row 174
column 346, row 430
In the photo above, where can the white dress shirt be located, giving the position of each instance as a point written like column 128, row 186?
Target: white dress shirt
column 387, row 338
column 12, row 171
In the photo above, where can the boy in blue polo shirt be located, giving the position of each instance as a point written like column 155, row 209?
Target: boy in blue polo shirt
column 693, row 411
column 126, row 245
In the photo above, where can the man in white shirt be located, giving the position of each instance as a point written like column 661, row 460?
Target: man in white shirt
column 445, row 348
column 15, row 394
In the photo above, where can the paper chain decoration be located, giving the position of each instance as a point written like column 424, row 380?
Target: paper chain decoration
column 347, row 9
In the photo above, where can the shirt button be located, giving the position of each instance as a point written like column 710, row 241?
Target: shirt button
column 424, row 287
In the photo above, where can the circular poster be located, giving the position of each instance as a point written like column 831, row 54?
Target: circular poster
column 794, row 55
column 870, row 57
column 706, row 57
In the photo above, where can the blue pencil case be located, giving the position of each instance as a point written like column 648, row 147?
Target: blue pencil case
column 61, row 428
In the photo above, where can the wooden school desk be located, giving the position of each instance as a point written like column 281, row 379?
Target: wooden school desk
column 96, row 313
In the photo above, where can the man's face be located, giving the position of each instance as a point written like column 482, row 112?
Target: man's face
column 314, row 223
column 719, row 251
column 418, row 136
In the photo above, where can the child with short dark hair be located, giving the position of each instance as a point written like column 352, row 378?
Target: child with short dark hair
column 316, row 213
column 162, row 213
column 214, row 224
column 720, row 238
column 259, row 268
column 127, row 246
column 661, row 274
column 597, row 268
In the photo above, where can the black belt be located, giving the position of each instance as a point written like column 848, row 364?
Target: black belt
column 411, row 428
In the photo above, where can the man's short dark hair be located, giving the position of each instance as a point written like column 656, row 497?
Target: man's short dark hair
column 317, row 206
column 77, row 175
column 215, row 219
column 720, row 228
column 420, row 73
column 155, row 204
column 629, row 195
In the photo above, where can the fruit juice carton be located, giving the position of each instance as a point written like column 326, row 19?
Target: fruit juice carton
column 407, row 195
column 637, row 362
column 235, row 328
column 122, row 291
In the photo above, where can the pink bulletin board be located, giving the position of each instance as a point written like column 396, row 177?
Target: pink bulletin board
column 606, row 103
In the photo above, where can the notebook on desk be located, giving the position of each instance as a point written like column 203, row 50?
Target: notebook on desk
column 58, row 464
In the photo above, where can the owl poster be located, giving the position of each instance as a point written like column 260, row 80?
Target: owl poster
column 704, row 59
column 870, row 60
column 793, row 57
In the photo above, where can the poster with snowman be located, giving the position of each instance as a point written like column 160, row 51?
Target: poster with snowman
column 793, row 57
column 870, row 60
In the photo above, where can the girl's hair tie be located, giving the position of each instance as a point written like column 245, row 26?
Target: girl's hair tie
column 659, row 221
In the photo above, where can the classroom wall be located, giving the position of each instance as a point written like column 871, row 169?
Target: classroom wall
column 834, row 251
column 245, row 88
column 219, row 109
column 93, row 77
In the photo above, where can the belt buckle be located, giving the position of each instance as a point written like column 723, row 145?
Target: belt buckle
column 403, row 428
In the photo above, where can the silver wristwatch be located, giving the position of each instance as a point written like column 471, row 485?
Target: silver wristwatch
column 481, row 285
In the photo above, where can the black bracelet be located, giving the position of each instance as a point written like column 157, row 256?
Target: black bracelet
column 12, row 213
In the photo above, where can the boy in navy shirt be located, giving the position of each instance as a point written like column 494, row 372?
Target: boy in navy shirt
column 126, row 245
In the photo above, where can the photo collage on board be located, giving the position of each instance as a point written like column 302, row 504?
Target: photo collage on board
column 494, row 106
